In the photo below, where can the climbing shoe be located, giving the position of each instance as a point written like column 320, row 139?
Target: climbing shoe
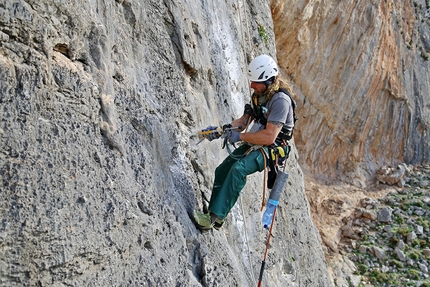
column 203, row 220
column 218, row 223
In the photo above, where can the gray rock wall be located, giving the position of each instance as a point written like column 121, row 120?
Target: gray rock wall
column 99, row 166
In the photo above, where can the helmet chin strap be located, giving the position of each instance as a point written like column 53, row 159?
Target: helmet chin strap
column 269, row 82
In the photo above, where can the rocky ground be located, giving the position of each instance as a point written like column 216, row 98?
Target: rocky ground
column 388, row 239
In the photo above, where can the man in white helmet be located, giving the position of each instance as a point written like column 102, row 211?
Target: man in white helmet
column 273, row 115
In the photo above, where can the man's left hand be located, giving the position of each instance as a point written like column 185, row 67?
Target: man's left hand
column 233, row 137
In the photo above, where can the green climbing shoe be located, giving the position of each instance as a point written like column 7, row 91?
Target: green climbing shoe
column 218, row 223
column 203, row 220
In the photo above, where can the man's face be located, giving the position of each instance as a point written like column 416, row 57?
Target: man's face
column 258, row 87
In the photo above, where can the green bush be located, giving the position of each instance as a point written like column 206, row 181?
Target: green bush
column 414, row 274
column 396, row 263
column 423, row 222
column 404, row 230
column 416, row 243
column 393, row 280
column 378, row 276
column 399, row 273
column 414, row 256
column 263, row 34
column 405, row 206
column 418, row 203
column 400, row 220
column 362, row 269
column 393, row 241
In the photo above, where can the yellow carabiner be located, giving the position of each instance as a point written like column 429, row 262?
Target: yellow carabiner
column 279, row 151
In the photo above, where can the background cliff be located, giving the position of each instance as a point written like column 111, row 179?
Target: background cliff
column 363, row 70
column 100, row 102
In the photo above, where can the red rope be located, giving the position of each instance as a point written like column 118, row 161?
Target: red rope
column 267, row 249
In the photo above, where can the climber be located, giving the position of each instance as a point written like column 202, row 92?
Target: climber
column 273, row 116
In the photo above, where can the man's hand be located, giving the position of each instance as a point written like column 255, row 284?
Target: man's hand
column 233, row 136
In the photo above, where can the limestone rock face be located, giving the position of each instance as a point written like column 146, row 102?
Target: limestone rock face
column 100, row 102
column 363, row 70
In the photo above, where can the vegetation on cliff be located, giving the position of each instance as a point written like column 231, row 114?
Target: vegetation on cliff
column 388, row 239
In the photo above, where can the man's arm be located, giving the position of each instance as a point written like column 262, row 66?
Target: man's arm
column 264, row 137
column 240, row 122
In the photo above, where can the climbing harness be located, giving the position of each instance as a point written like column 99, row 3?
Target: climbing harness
column 278, row 155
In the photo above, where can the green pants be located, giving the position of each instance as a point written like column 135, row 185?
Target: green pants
column 230, row 178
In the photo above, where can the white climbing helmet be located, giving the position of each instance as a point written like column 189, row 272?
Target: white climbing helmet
column 262, row 68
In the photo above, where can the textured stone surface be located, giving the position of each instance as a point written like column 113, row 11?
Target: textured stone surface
column 384, row 215
column 99, row 168
column 363, row 73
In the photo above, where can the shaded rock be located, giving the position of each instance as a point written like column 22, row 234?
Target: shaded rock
column 424, row 183
column 411, row 237
column 384, row 215
column 333, row 206
column 400, row 254
column 391, row 176
column 423, row 268
column 363, row 249
column 419, row 230
column 350, row 233
column 354, row 280
column 358, row 213
column 367, row 202
column 369, row 215
column 387, row 228
column 385, row 269
column 379, row 253
column 401, row 244
column 419, row 212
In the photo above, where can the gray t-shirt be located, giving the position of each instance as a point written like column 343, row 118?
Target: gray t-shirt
column 280, row 110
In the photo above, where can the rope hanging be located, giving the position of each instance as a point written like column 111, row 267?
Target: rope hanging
column 263, row 263
column 263, row 202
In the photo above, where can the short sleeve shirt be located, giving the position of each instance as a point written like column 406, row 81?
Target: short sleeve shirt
column 280, row 110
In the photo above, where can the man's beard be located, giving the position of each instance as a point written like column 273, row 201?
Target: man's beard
column 262, row 98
